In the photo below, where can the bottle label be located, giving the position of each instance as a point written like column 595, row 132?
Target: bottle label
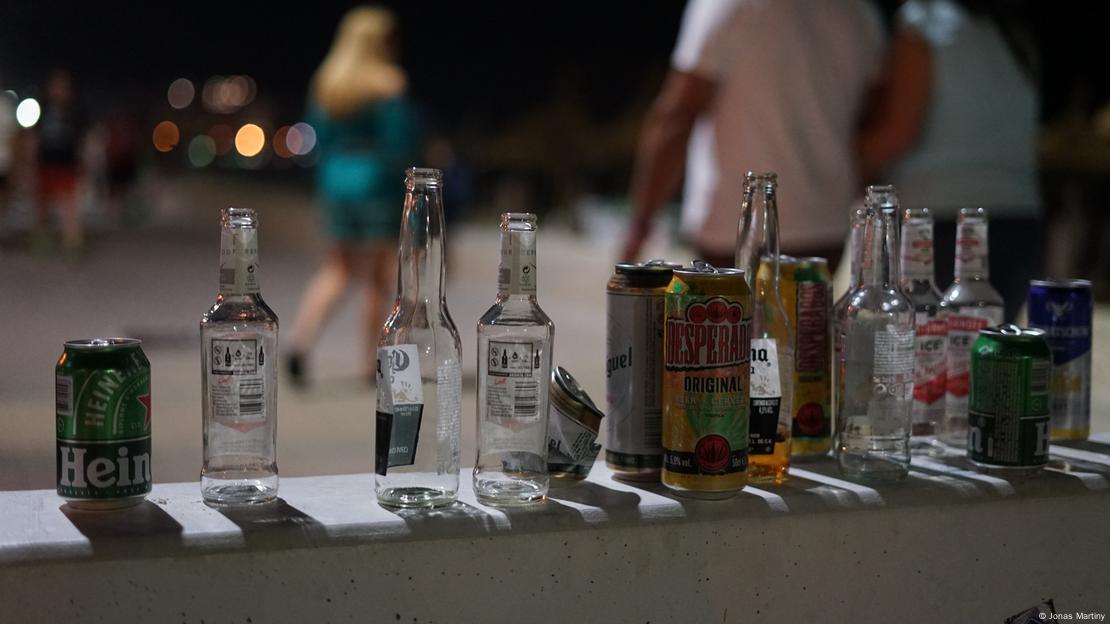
column 929, row 376
column 634, row 374
column 400, row 407
column 812, row 390
column 971, row 249
column 239, row 375
column 892, row 379
column 517, row 272
column 766, row 397
column 917, row 249
column 514, row 396
column 239, row 261
column 963, row 329
column 449, row 423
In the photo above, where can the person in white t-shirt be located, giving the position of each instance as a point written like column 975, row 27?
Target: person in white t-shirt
column 766, row 86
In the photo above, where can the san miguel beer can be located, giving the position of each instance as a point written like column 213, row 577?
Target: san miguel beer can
column 1009, row 398
column 102, row 392
column 706, row 376
column 634, row 369
column 1064, row 309
column 806, row 287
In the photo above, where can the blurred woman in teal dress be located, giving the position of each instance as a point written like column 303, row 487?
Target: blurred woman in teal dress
column 367, row 136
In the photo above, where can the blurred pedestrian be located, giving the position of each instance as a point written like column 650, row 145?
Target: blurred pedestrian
column 954, row 124
column 766, row 86
column 366, row 133
column 8, row 127
column 59, row 136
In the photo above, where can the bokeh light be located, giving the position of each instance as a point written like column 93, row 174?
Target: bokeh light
column 202, row 151
column 301, row 138
column 181, row 93
column 227, row 94
column 250, row 140
column 166, row 136
column 28, row 112
column 279, row 142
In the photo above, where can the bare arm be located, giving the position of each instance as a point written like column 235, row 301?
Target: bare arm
column 662, row 152
column 898, row 105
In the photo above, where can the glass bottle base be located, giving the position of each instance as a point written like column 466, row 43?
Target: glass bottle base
column 873, row 466
column 509, row 492
column 415, row 497
column 234, row 492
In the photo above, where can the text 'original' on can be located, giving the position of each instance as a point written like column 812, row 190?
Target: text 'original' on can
column 806, row 286
column 102, row 396
column 1064, row 309
column 634, row 368
column 1009, row 398
column 706, row 377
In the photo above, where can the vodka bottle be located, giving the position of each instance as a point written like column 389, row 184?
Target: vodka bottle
column 419, row 379
column 514, row 374
column 876, row 348
column 969, row 304
column 919, row 285
column 238, row 344
column 772, row 374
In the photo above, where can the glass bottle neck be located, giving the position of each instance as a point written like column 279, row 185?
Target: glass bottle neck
column 516, row 274
column 878, row 262
column 971, row 249
column 855, row 247
column 917, row 251
column 420, row 270
column 239, row 261
column 757, row 252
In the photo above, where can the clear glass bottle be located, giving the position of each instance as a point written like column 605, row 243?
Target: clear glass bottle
column 419, row 376
column 876, row 348
column 238, row 344
column 772, row 375
column 515, row 339
column 969, row 304
column 931, row 333
column 840, row 308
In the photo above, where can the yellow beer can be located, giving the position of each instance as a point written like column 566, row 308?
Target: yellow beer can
column 706, row 371
column 806, row 286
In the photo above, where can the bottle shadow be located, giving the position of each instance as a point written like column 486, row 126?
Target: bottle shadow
column 275, row 525
column 113, row 533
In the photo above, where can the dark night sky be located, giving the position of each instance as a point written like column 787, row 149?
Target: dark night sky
column 489, row 62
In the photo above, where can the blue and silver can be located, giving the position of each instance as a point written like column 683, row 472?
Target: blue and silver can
column 1064, row 309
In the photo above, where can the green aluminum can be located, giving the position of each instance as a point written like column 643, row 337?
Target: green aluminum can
column 102, row 396
column 1009, row 400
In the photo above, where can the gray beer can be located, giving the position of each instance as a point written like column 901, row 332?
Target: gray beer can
column 634, row 369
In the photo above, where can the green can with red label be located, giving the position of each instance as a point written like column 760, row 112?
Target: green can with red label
column 1009, row 399
column 102, row 397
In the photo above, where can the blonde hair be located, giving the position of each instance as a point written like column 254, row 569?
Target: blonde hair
column 359, row 69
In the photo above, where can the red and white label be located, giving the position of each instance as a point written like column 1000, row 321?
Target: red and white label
column 929, row 367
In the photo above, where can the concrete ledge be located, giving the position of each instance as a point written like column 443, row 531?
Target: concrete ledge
column 947, row 542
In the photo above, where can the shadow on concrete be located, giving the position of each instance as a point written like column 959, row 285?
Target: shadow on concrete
column 459, row 518
column 276, row 525
column 127, row 532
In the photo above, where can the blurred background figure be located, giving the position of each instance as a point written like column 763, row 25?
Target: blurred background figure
column 366, row 134
column 766, row 86
column 58, row 139
column 954, row 123
column 8, row 127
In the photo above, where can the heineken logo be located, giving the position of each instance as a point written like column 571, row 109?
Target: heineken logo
column 104, row 470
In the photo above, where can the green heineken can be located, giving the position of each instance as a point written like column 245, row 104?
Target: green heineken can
column 1009, row 400
column 102, row 396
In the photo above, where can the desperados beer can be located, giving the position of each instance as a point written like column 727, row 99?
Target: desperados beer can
column 102, row 392
column 706, row 380
column 1009, row 399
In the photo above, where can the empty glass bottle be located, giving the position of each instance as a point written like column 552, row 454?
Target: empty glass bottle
column 919, row 285
column 969, row 304
column 840, row 307
column 876, row 349
column 772, row 374
column 238, row 343
column 515, row 338
column 419, row 379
